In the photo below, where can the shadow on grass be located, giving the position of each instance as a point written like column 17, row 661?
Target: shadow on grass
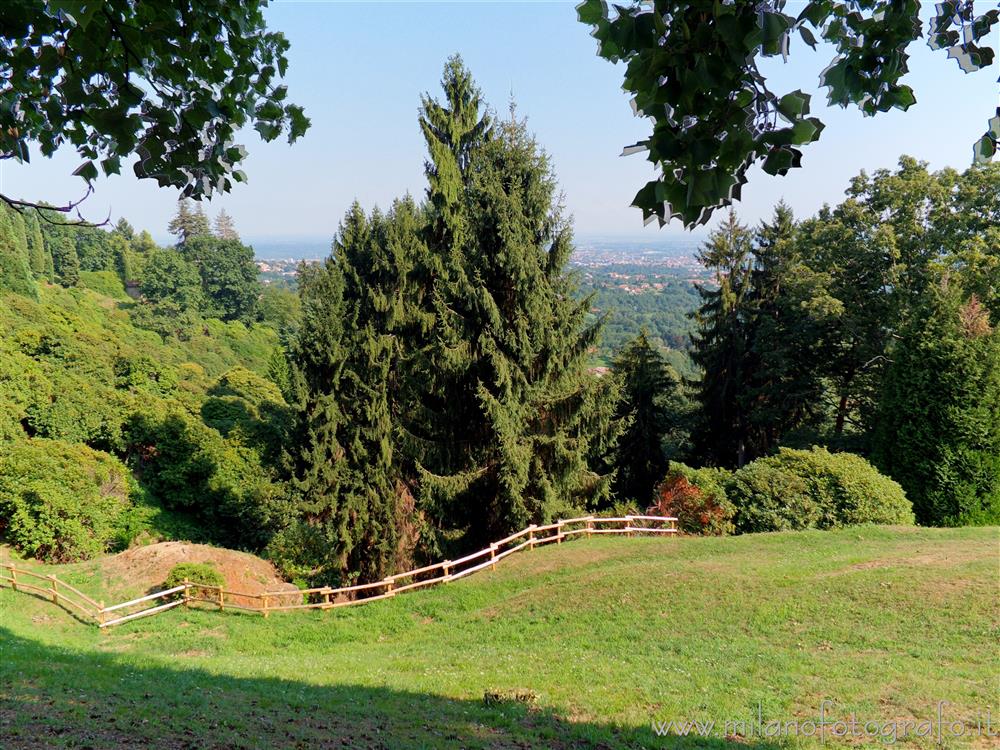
column 51, row 698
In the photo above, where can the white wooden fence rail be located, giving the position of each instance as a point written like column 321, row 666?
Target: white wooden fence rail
column 325, row 597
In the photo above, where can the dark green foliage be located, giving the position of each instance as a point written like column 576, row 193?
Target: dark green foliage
column 36, row 244
column 110, row 78
column 279, row 307
column 505, row 429
column 693, row 70
column 204, row 573
column 655, row 411
column 316, row 453
column 229, row 276
column 172, row 286
column 61, row 502
column 94, row 248
column 798, row 489
column 245, row 405
column 721, row 347
column 785, row 311
column 938, row 427
column 663, row 311
column 347, row 369
column 15, row 269
column 189, row 467
column 452, row 130
column 65, row 261
column 74, row 369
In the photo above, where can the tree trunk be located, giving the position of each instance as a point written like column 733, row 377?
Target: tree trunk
column 841, row 415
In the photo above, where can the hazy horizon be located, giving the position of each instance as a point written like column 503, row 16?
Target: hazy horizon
column 360, row 69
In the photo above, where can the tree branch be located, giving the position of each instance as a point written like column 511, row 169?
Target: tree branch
column 42, row 210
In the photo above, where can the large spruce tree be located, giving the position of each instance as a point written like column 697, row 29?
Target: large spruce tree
column 510, row 343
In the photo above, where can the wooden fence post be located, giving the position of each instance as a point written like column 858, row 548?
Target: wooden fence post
column 531, row 536
column 13, row 577
column 187, row 599
column 628, row 526
column 55, row 589
column 100, row 613
column 590, row 527
column 389, row 587
column 447, row 567
column 493, row 557
column 222, row 600
column 265, row 606
column 326, row 599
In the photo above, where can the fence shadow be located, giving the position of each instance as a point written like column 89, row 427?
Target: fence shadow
column 56, row 697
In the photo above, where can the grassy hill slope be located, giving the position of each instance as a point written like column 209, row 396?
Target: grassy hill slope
column 601, row 637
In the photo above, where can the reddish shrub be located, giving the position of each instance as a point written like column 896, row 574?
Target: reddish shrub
column 697, row 511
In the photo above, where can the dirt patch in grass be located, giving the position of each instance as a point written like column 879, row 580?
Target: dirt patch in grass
column 944, row 556
column 146, row 568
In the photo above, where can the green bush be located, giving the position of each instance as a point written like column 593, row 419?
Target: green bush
column 191, row 468
column 61, row 502
column 203, row 573
column 103, row 282
column 814, row 489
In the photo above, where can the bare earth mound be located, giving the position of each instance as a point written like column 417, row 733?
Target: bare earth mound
column 146, row 568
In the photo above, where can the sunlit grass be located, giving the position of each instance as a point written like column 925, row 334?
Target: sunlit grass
column 603, row 635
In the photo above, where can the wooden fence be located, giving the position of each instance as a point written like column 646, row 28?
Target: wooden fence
column 324, row 597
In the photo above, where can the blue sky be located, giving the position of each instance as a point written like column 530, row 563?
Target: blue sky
column 359, row 69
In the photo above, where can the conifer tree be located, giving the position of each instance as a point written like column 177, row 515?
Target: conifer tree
column 316, row 455
column 188, row 222
column 938, row 427
column 125, row 229
column 36, row 245
column 510, row 344
column 65, row 261
column 15, row 272
column 784, row 390
column 225, row 228
column 452, row 129
column 655, row 413
column 722, row 346
column 369, row 280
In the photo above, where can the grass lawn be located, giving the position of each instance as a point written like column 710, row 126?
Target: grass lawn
column 599, row 638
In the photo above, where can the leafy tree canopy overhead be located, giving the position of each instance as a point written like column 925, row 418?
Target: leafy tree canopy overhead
column 169, row 82
column 692, row 67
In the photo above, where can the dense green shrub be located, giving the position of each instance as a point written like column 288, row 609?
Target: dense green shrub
column 697, row 498
column 190, row 467
column 798, row 489
column 61, row 502
column 204, row 573
column 103, row 282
